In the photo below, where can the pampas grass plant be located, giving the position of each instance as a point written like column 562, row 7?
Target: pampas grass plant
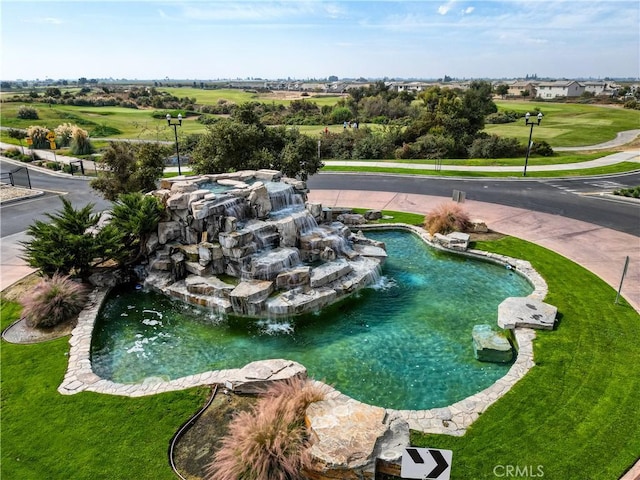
column 53, row 301
column 270, row 442
column 446, row 218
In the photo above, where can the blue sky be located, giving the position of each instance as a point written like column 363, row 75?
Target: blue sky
column 205, row 40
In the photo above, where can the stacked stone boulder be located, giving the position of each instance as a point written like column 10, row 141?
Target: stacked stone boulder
column 249, row 243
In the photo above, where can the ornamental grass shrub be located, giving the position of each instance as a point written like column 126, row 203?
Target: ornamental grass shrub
column 38, row 136
column 27, row 113
column 446, row 218
column 53, row 301
column 80, row 143
column 64, row 134
column 270, row 441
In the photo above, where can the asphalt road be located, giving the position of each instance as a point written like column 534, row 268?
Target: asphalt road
column 577, row 198
column 16, row 217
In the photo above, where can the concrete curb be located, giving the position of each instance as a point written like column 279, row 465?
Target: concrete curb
column 36, row 193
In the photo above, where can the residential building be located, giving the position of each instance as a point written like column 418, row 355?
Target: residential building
column 559, row 88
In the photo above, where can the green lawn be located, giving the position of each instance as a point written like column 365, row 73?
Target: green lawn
column 575, row 413
column 84, row 436
column 563, row 124
column 235, row 95
column 622, row 167
column 132, row 123
column 568, row 124
column 557, row 158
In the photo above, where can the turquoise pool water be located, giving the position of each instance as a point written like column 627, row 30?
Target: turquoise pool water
column 405, row 344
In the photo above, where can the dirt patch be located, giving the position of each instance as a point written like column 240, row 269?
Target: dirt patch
column 486, row 236
column 14, row 292
column 634, row 145
column 281, row 95
column 195, row 449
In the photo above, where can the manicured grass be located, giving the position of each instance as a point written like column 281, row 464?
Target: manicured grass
column 396, row 217
column 84, row 436
column 558, row 158
column 132, row 123
column 567, row 124
column 609, row 169
column 575, row 413
column 563, row 124
column 234, row 95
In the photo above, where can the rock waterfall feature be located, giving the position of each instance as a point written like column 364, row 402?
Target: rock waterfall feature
column 248, row 243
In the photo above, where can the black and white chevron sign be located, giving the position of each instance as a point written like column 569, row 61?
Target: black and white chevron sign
column 426, row 463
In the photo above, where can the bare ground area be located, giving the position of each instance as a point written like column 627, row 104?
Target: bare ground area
column 195, row 449
column 281, row 95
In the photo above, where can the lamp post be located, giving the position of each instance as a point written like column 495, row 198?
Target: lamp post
column 175, row 126
column 532, row 123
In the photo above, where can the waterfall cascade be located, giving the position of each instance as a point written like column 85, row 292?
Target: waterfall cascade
column 248, row 243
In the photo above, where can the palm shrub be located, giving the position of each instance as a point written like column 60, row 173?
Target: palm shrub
column 52, row 301
column 136, row 216
column 447, row 217
column 271, row 440
column 69, row 241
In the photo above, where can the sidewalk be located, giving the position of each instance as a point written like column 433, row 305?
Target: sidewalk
column 599, row 162
column 47, row 155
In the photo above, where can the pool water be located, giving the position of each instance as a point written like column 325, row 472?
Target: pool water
column 404, row 344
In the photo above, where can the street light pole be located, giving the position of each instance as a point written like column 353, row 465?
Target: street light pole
column 175, row 126
column 532, row 123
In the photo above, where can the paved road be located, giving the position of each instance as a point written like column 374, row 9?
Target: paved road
column 577, row 198
column 16, row 217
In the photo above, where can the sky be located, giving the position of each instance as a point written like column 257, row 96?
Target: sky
column 314, row 39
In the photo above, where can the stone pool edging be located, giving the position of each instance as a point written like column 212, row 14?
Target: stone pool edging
column 452, row 420
column 80, row 377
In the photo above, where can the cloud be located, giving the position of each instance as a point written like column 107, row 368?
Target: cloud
column 468, row 10
column 444, row 8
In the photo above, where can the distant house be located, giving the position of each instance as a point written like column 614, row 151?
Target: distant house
column 601, row 89
column 516, row 89
column 409, row 87
column 559, row 88
column 314, row 87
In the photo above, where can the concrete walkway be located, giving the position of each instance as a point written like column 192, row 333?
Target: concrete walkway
column 632, row 156
column 622, row 138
